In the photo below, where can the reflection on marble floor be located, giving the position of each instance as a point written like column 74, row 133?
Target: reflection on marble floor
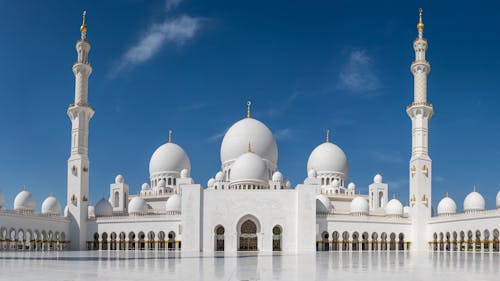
column 320, row 266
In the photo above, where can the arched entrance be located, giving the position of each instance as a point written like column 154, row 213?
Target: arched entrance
column 277, row 238
column 248, row 236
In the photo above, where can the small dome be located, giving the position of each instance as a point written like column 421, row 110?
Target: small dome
column 211, row 182
column 359, row 206
column 288, row 184
column 249, row 167
column 328, row 157
column 219, row 176
column 277, row 177
column 168, row 158
column 119, row 179
column 145, row 186
column 312, row 173
column 249, row 130
column 90, row 211
column 173, row 204
column 103, row 208
column 498, row 200
column 162, row 183
column 446, row 207
column 474, row 202
column 351, row 186
column 2, row 202
column 335, row 183
column 137, row 206
column 394, row 208
column 185, row 173
column 323, row 204
column 377, row 178
column 24, row 202
column 51, row 206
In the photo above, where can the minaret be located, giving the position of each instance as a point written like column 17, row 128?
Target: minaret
column 420, row 113
column 80, row 114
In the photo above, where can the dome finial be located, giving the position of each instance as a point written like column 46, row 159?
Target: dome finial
column 327, row 136
column 249, row 103
column 170, row 136
column 446, row 194
column 24, row 188
column 475, row 189
column 249, row 148
column 83, row 27
column 393, row 196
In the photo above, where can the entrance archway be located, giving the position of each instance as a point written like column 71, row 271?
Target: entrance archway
column 277, row 238
column 219, row 238
column 248, row 236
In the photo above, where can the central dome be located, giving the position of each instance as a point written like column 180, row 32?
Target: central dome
column 328, row 157
column 169, row 158
column 246, row 131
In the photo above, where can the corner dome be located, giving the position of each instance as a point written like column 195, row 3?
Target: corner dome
column 377, row 178
column 249, row 130
column 145, row 186
column 211, row 182
column 168, row 158
column 394, row 208
column 103, row 208
column 24, row 202
column 359, row 206
column 351, row 186
column 119, row 179
column 277, row 177
column 249, row 167
column 474, row 202
column 219, row 176
column 137, row 206
column 446, row 206
column 51, row 206
column 328, row 157
column 323, row 204
column 173, row 204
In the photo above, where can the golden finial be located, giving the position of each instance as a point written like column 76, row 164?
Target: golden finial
column 83, row 27
column 327, row 135
column 475, row 188
column 24, row 188
column 170, row 136
column 420, row 25
column 249, row 148
column 446, row 194
column 249, row 103
column 393, row 196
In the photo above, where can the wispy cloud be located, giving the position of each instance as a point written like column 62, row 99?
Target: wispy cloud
column 398, row 184
column 171, row 31
column 388, row 157
column 194, row 106
column 283, row 134
column 281, row 107
column 217, row 136
column 357, row 74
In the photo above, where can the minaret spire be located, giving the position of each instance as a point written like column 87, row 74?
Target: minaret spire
column 420, row 25
column 170, row 136
column 80, row 113
column 327, row 136
column 249, row 103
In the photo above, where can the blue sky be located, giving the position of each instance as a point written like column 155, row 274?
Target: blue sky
column 190, row 66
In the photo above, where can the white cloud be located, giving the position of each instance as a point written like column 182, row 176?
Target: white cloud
column 357, row 73
column 283, row 134
column 388, row 157
column 171, row 31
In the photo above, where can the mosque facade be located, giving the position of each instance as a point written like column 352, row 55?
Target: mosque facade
column 249, row 204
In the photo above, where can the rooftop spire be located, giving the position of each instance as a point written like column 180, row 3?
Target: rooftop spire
column 249, row 148
column 83, row 27
column 24, row 188
column 327, row 136
column 420, row 25
column 446, row 194
column 170, row 136
column 249, row 103
column 475, row 189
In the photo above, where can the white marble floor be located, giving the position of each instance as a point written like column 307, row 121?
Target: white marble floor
column 320, row 266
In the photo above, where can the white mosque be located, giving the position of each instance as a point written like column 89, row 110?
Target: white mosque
column 249, row 205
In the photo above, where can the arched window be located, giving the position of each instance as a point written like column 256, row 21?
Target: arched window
column 380, row 196
column 277, row 238
column 219, row 238
column 117, row 199
column 169, row 181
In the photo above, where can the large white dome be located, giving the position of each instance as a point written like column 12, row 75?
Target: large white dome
column 246, row 131
column 323, row 204
column 249, row 167
column 137, row 206
column 446, row 206
column 24, row 202
column 173, row 204
column 51, row 206
column 168, row 158
column 359, row 206
column 103, row 208
column 474, row 202
column 394, row 208
column 328, row 157
column 498, row 200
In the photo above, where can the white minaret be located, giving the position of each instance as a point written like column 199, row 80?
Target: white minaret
column 80, row 114
column 420, row 113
